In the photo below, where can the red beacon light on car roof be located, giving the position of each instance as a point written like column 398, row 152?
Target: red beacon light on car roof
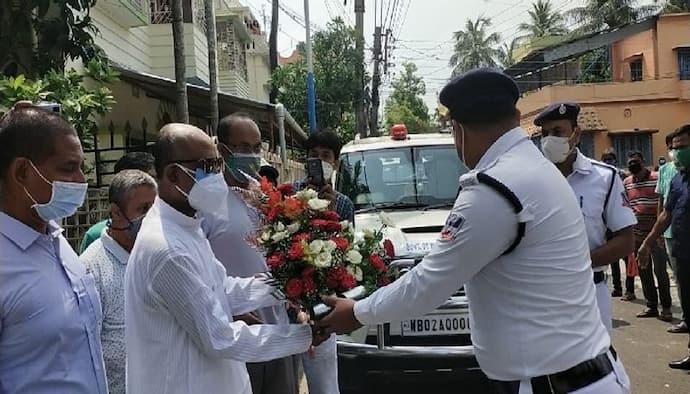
column 399, row 132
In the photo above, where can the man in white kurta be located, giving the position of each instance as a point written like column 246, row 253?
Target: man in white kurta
column 179, row 303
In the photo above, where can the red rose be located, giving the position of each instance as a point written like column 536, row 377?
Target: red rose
column 308, row 285
column 331, row 215
column 334, row 278
column 275, row 261
column 377, row 262
column 296, row 251
column 286, row 189
column 321, row 223
column 390, row 249
column 308, row 272
column 294, row 288
column 341, row 243
column 301, row 237
column 384, row 281
column 348, row 281
column 333, row 226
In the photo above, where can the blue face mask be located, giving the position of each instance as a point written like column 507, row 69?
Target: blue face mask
column 133, row 226
column 66, row 198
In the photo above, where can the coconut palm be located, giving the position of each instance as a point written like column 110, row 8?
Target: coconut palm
column 543, row 21
column 506, row 56
column 597, row 15
column 474, row 46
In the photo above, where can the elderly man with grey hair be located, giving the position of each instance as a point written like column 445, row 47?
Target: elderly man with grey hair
column 131, row 194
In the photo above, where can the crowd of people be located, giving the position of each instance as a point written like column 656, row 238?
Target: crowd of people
column 169, row 294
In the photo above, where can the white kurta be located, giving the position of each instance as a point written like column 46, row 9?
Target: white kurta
column 533, row 311
column 179, row 305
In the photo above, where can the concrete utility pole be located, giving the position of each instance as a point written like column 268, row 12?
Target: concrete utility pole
column 181, row 105
column 360, row 113
column 311, row 92
column 273, row 48
column 375, row 83
column 212, row 64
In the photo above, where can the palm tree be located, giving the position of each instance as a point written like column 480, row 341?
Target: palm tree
column 506, row 56
column 597, row 15
column 544, row 21
column 181, row 105
column 474, row 46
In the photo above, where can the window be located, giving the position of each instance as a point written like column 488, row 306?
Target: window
column 624, row 143
column 587, row 144
column 684, row 64
column 636, row 70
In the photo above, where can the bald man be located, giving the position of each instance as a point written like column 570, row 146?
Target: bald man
column 179, row 302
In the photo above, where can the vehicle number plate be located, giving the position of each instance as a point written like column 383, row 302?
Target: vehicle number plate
column 420, row 246
column 447, row 324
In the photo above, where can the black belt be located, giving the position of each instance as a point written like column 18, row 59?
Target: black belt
column 575, row 378
column 599, row 276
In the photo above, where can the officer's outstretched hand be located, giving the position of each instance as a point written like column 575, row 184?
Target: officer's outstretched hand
column 340, row 321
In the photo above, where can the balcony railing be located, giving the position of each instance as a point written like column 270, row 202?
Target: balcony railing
column 161, row 11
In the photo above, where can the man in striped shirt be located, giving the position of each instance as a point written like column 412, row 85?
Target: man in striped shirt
column 640, row 191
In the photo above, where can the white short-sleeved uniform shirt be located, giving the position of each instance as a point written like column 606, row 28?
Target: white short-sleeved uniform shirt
column 533, row 311
column 591, row 180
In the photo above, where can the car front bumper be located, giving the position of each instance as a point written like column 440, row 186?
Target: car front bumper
column 366, row 368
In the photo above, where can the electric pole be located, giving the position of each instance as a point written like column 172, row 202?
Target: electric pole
column 360, row 113
column 311, row 93
column 212, row 64
column 273, row 48
column 375, row 83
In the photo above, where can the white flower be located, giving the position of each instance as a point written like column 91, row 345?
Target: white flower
column 279, row 227
column 368, row 233
column 329, row 246
column 322, row 260
column 279, row 236
column 345, row 225
column 316, row 246
column 386, row 220
column 354, row 257
column 356, row 272
column 293, row 227
column 307, row 194
column 265, row 236
column 318, row 204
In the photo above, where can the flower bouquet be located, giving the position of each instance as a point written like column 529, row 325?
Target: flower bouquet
column 310, row 252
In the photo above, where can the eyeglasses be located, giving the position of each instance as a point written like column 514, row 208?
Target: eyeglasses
column 214, row 165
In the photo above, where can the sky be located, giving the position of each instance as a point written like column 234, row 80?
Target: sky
column 423, row 28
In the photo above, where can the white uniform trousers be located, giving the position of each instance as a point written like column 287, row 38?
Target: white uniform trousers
column 321, row 368
column 604, row 303
column 617, row 382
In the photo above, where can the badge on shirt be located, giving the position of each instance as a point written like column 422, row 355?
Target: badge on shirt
column 452, row 226
column 626, row 202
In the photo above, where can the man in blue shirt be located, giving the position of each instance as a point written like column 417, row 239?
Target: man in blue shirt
column 676, row 213
column 49, row 308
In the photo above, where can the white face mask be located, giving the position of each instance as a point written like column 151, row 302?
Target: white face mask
column 207, row 195
column 556, row 149
column 327, row 170
column 462, row 139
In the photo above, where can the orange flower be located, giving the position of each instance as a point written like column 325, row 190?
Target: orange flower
column 266, row 185
column 293, row 207
column 274, row 198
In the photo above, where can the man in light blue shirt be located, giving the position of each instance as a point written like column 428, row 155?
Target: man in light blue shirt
column 49, row 307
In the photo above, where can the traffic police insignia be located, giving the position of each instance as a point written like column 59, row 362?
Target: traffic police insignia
column 562, row 109
column 453, row 224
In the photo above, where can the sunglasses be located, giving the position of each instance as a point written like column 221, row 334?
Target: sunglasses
column 209, row 166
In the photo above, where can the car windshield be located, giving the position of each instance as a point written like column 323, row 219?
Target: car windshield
column 408, row 177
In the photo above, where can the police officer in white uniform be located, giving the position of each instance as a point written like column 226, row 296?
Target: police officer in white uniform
column 599, row 191
column 516, row 239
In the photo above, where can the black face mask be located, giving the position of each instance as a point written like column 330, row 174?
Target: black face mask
column 634, row 167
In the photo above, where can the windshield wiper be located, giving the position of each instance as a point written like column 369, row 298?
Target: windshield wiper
column 447, row 204
column 390, row 205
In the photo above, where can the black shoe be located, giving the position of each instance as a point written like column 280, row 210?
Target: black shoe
column 680, row 328
column 629, row 297
column 666, row 315
column 617, row 293
column 683, row 364
column 649, row 312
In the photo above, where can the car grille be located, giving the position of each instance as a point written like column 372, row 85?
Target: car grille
column 460, row 292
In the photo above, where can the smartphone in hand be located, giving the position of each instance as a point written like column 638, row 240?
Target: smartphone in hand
column 315, row 172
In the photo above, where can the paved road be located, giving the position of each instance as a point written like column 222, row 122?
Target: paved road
column 646, row 348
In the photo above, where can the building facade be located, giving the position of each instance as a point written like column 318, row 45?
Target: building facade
column 648, row 95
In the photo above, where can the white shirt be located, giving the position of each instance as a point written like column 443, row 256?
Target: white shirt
column 107, row 261
column 179, row 305
column 590, row 180
column 533, row 311
column 230, row 238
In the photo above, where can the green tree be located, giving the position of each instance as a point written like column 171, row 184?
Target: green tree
column 543, row 21
column 474, row 46
column 506, row 55
column 405, row 104
column 335, row 72
column 84, row 97
column 674, row 6
column 597, row 15
column 37, row 36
